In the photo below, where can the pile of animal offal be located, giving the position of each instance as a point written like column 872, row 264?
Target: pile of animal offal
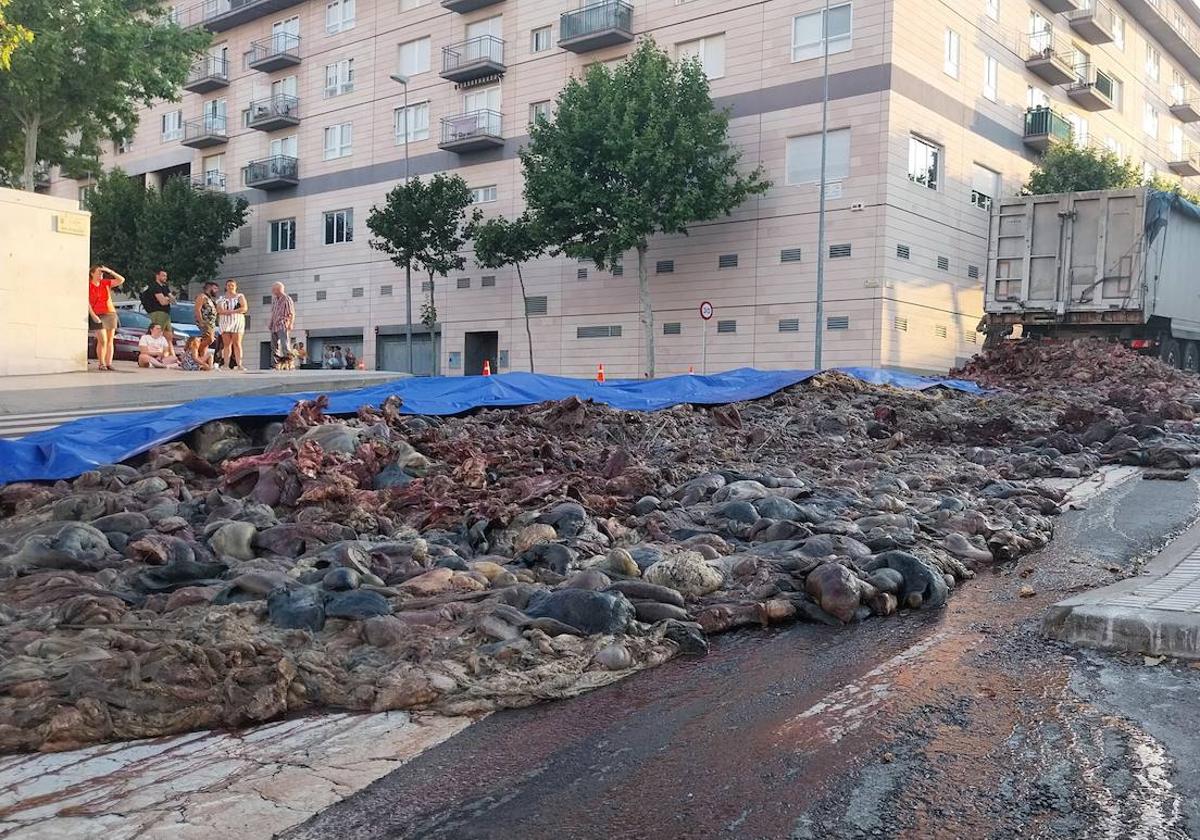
column 505, row 557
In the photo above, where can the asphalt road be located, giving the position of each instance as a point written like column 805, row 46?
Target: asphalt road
column 962, row 723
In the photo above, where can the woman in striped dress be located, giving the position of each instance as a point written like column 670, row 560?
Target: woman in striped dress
column 231, row 317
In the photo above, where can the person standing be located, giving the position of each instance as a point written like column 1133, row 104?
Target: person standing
column 206, row 317
column 283, row 318
column 101, row 312
column 157, row 300
column 351, row 361
column 154, row 350
column 231, row 317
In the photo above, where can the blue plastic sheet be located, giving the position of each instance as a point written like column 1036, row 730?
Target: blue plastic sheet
column 73, row 448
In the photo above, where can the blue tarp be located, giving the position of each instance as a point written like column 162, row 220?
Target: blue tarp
column 70, row 449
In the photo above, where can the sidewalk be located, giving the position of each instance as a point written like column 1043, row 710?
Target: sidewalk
column 1156, row 613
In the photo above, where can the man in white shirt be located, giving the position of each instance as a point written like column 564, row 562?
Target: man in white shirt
column 155, row 351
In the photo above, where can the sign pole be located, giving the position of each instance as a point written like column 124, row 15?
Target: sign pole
column 706, row 313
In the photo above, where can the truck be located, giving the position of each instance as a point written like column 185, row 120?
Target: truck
column 1120, row 265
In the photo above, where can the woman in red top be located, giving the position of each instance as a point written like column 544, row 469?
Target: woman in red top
column 101, row 311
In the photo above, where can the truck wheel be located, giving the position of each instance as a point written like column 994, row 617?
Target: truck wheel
column 1191, row 357
column 1169, row 353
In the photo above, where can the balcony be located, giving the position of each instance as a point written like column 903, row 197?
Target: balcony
column 275, row 53
column 274, row 173
column 1044, row 127
column 472, row 132
column 209, row 73
column 1093, row 89
column 221, row 15
column 464, row 6
column 207, row 131
column 473, row 59
column 278, row 111
column 597, row 25
column 1062, row 5
column 1185, row 107
column 1046, row 58
column 1094, row 24
column 1187, row 165
column 211, row 180
column 1158, row 17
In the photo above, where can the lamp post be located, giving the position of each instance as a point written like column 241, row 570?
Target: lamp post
column 817, row 346
column 401, row 79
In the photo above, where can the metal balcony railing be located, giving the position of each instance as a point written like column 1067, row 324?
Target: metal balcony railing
column 1047, row 122
column 209, row 126
column 210, row 180
column 485, row 49
column 1087, row 75
column 281, row 49
column 280, row 109
column 208, row 72
column 594, row 19
column 471, row 126
column 273, row 170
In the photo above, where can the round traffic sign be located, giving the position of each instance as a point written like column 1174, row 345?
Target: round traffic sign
column 706, row 310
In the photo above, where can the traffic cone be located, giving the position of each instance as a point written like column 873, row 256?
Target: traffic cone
column 600, row 374
column 487, row 367
column 691, row 369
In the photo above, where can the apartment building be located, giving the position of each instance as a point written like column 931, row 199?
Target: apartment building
column 936, row 108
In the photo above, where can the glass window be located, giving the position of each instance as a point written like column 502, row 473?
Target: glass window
column 283, row 235
column 408, row 5
column 992, row 7
column 924, row 162
column 339, row 77
column 991, row 77
column 709, row 50
column 1079, row 131
column 1178, row 88
column 1118, row 27
column 339, row 226
column 338, row 140
column 1177, row 148
column 539, row 109
column 985, row 186
column 483, row 195
column 1150, row 120
column 414, row 57
column 541, row 39
column 172, row 125
column 1152, row 63
column 804, row 157
column 808, row 32
column 339, row 15
column 418, row 122
column 950, row 54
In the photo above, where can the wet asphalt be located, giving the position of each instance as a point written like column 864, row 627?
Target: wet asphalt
column 960, row 723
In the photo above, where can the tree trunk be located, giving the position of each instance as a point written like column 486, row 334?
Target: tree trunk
column 525, row 305
column 31, row 139
column 647, row 309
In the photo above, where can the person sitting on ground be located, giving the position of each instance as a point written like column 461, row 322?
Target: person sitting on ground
column 155, row 351
column 191, row 358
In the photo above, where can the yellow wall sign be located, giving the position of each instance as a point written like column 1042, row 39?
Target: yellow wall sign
column 75, row 224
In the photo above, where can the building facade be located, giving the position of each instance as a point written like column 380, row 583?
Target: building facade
column 936, row 108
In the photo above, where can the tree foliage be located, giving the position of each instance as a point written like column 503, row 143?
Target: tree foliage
column 1176, row 187
column 632, row 152
column 500, row 242
column 12, row 36
column 89, row 67
column 1068, row 168
column 180, row 229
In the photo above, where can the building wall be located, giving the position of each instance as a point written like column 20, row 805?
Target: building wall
column 43, row 288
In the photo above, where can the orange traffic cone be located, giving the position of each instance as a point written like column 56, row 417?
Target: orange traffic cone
column 487, row 367
column 600, row 373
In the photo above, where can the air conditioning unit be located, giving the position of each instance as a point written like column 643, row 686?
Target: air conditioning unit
column 857, row 207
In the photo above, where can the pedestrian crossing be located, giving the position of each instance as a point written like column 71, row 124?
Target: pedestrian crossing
column 16, row 426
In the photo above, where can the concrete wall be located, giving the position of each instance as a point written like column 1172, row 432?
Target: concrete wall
column 43, row 277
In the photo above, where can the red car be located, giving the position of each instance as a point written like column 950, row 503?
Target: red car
column 131, row 326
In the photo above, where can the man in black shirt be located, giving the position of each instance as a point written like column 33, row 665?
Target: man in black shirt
column 157, row 300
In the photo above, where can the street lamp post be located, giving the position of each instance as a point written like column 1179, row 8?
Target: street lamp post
column 817, row 346
column 401, row 79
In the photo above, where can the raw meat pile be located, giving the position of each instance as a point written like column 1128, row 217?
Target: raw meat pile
column 389, row 561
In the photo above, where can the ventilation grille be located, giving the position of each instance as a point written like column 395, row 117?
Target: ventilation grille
column 973, row 337
column 487, row 280
column 837, row 322
column 385, row 291
column 902, row 252
column 598, row 332
column 943, row 263
column 973, row 272
column 726, row 326
column 672, row 328
column 839, row 251
column 321, row 295
column 939, row 330
column 789, row 255
column 535, row 305
column 727, row 261
column 618, row 270
column 665, row 267
column 266, row 300
column 357, row 291
column 464, row 282
column 581, row 274
column 901, row 324
column 789, row 325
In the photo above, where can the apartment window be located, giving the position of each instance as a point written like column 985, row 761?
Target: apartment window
column 810, row 31
column 985, row 186
column 1177, row 142
column 992, row 9
column 283, row 235
column 1079, row 131
column 123, row 146
column 1114, row 146
column 339, row 226
column 1152, row 63
column 1118, row 30
column 804, row 157
column 924, row 162
column 339, row 77
column 950, row 54
column 1118, row 92
column 991, row 77
column 1036, row 98
column 339, row 15
column 214, row 171
column 417, row 123
column 541, row 39
column 84, row 192
column 245, row 118
column 483, row 195
column 172, row 125
column 338, row 139
column 1150, row 120
column 1148, row 171
column 539, row 109
column 1178, row 87
column 414, row 57
column 409, row 5
column 709, row 51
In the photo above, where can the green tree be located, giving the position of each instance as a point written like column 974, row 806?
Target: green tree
column 179, row 228
column 90, row 65
column 630, row 153
column 422, row 224
column 12, row 35
column 1068, row 168
column 500, row 242
column 1162, row 184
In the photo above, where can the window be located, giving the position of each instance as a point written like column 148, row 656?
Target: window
column 245, row 118
column 1036, row 98
column 1177, row 151
column 991, row 77
column 172, row 125
column 1150, row 120
column 950, row 54
column 1118, row 92
column 414, row 57
column 985, row 186
column 539, row 109
column 409, row 5
column 285, row 146
column 541, row 39
column 283, row 235
column 339, row 77
column 804, row 157
column 924, row 162
column 1114, row 146
column 338, row 139
column 1079, row 131
column 85, row 191
column 1178, row 88
column 339, row 226
column 214, row 172
column 1152, row 63
column 992, row 8
column 1148, row 171
column 1118, row 30
column 809, row 32
column 123, row 146
column 417, row 124
column 483, row 195
column 339, row 15
column 710, row 51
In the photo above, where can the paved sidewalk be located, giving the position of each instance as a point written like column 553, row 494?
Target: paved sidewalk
column 1156, row 613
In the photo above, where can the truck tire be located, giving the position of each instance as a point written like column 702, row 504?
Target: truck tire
column 1170, row 354
column 1191, row 357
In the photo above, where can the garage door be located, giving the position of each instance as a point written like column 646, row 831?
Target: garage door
column 391, row 353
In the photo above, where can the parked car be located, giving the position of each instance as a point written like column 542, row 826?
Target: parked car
column 131, row 326
column 183, row 316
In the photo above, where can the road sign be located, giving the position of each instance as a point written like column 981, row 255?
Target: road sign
column 706, row 310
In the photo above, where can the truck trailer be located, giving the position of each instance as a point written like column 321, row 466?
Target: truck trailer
column 1122, row 265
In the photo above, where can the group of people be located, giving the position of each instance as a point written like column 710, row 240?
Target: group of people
column 339, row 358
